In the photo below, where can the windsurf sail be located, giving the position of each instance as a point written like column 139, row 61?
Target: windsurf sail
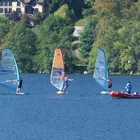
column 57, row 72
column 101, row 69
column 8, row 70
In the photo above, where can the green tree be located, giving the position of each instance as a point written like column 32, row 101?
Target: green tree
column 76, row 5
column 5, row 25
column 65, row 12
column 53, row 33
column 129, row 36
column 66, row 45
column 22, row 41
column 118, row 34
column 87, row 38
column 37, row 18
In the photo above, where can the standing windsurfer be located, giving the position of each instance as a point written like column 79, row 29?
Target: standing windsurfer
column 66, row 79
column 109, row 84
column 19, row 86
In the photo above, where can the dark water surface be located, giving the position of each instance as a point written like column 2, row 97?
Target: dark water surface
column 83, row 114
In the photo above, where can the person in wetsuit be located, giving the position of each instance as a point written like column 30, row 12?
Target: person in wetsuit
column 109, row 84
column 19, row 86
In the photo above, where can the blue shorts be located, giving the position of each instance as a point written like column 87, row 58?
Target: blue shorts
column 65, row 85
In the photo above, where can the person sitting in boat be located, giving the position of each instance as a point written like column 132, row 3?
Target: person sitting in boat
column 66, row 79
column 109, row 84
column 128, row 87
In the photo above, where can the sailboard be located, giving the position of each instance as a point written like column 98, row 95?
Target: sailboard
column 57, row 72
column 101, row 71
column 8, row 70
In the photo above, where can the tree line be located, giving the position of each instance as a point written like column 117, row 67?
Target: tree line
column 111, row 25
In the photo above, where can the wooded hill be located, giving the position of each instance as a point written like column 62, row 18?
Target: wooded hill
column 113, row 25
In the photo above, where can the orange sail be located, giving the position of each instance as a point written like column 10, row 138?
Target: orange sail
column 57, row 72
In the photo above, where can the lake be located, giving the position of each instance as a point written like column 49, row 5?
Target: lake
column 83, row 114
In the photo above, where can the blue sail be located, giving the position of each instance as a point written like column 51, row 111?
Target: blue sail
column 101, row 69
column 8, row 70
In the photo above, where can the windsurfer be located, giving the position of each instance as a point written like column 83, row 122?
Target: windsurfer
column 128, row 87
column 66, row 79
column 19, row 86
column 109, row 84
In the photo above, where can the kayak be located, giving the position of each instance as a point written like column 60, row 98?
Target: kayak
column 117, row 94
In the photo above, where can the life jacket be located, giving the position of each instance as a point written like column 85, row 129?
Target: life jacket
column 128, row 87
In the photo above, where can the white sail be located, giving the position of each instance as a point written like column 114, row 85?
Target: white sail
column 101, row 69
column 8, row 70
column 57, row 72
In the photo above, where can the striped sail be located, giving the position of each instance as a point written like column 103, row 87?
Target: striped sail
column 101, row 69
column 8, row 70
column 57, row 72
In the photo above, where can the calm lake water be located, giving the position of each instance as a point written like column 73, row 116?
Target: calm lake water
column 83, row 114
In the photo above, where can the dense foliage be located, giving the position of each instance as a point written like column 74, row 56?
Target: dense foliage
column 87, row 39
column 55, row 32
column 118, row 34
column 113, row 25
column 22, row 41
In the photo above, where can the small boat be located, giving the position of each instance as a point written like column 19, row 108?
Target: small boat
column 101, row 71
column 117, row 94
column 57, row 72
